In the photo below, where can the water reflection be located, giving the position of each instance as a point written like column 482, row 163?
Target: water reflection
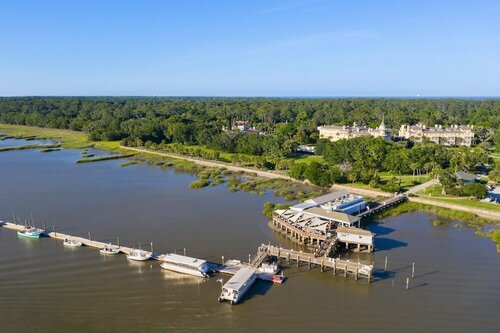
column 174, row 278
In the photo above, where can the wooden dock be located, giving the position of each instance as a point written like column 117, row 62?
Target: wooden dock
column 342, row 266
column 383, row 204
column 85, row 241
column 264, row 252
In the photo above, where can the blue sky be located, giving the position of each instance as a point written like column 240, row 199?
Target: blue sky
column 250, row 48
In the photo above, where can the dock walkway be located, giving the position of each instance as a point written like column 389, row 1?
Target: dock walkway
column 337, row 265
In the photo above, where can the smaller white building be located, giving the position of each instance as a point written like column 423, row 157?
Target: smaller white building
column 355, row 236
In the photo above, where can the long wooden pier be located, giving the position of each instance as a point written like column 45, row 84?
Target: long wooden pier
column 85, row 241
column 264, row 252
column 346, row 267
column 383, row 204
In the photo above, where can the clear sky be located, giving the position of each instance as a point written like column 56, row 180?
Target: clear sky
column 250, row 48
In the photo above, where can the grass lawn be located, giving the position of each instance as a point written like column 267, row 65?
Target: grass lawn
column 435, row 192
column 307, row 159
column 224, row 156
column 69, row 139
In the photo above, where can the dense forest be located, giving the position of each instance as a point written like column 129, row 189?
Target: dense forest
column 282, row 124
column 200, row 120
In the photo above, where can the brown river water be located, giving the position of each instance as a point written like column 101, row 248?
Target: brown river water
column 45, row 287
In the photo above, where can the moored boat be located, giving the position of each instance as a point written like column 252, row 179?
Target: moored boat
column 238, row 285
column 109, row 249
column 185, row 265
column 138, row 255
column 72, row 243
column 30, row 232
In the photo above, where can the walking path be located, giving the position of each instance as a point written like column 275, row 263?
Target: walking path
column 478, row 211
column 213, row 164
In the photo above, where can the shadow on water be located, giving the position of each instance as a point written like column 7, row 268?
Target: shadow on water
column 380, row 230
column 382, row 243
column 260, row 288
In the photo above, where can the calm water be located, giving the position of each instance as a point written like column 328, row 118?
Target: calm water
column 49, row 288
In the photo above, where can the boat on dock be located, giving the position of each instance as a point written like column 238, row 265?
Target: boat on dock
column 30, row 232
column 72, row 242
column 109, row 249
column 185, row 265
column 238, row 285
column 138, row 255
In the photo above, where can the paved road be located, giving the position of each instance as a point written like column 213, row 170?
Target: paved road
column 420, row 187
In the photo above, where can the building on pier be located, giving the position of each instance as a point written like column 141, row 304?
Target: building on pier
column 314, row 221
column 355, row 236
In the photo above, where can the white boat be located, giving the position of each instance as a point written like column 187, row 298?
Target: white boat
column 270, row 268
column 138, row 255
column 72, row 243
column 185, row 265
column 109, row 249
column 238, row 285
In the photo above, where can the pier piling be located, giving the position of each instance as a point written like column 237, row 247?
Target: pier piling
column 152, row 248
column 407, row 283
column 90, row 237
column 118, row 241
column 223, row 260
column 385, row 264
column 184, row 251
column 413, row 270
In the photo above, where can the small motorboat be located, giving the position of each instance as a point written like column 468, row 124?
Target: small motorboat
column 30, row 232
column 278, row 278
column 138, row 255
column 72, row 243
column 109, row 249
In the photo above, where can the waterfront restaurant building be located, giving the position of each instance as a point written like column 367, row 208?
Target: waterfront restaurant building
column 455, row 135
column 334, row 133
column 313, row 221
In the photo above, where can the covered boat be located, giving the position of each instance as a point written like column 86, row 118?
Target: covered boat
column 185, row 265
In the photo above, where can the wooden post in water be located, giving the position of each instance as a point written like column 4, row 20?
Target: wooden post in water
column 322, row 263
column 184, row 252
column 118, row 241
column 152, row 248
column 345, row 270
column 385, row 264
column 288, row 258
column 413, row 270
column 54, row 230
column 90, row 237
column 222, row 260
column 249, row 258
column 309, row 260
column 407, row 283
column 357, row 272
column 334, row 266
column 298, row 260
